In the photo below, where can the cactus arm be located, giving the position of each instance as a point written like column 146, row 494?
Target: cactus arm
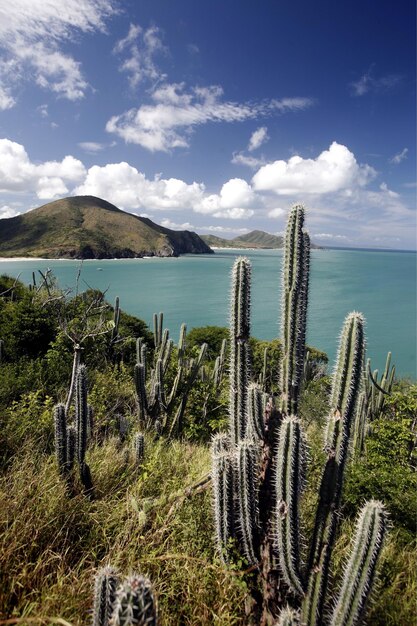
column 289, row 477
column 345, row 392
column 223, row 481
column 288, row 617
column 239, row 346
column 134, row 604
column 247, row 478
column 360, row 569
column 255, row 413
column 60, row 423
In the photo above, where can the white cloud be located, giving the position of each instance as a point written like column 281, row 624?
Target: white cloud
column 276, row 212
column 126, row 187
column 167, row 223
column 43, row 110
column 31, row 33
column 222, row 229
column 168, row 122
column 333, row 170
column 6, row 100
column 398, row 158
column 232, row 201
column 328, row 236
column 6, row 212
column 93, row 146
column 239, row 158
column 47, row 179
column 141, row 47
column 368, row 82
column 258, row 137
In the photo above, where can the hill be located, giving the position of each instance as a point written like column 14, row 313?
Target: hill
column 255, row 239
column 86, row 227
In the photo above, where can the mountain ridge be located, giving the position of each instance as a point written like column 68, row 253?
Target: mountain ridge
column 87, row 227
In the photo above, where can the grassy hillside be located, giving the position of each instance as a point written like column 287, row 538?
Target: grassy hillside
column 89, row 227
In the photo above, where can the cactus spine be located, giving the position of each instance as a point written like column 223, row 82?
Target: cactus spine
column 255, row 412
column 239, row 346
column 105, row 585
column 134, row 603
column 359, row 572
column 289, row 465
column 295, row 299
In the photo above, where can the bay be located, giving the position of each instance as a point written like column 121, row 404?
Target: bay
column 195, row 289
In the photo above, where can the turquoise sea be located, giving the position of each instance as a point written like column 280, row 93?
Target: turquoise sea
column 195, row 289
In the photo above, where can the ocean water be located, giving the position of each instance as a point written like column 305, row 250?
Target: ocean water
column 195, row 289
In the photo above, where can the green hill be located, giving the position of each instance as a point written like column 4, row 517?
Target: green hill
column 255, row 239
column 86, row 227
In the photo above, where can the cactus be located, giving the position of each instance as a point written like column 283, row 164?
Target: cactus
column 247, row 479
column 139, row 448
column 360, row 569
column 71, row 446
column 158, row 321
column 371, row 401
column 105, row 585
column 223, row 479
column 239, row 347
column 60, row 422
column 288, row 617
column 81, row 412
column 134, row 604
column 344, row 395
column 289, row 474
column 294, row 299
column 269, row 453
column 255, row 428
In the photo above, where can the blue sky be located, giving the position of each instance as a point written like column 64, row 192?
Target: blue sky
column 215, row 116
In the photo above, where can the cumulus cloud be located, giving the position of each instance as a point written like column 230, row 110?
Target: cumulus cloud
column 175, row 111
column 258, row 137
column 398, row 158
column 48, row 179
column 232, row 202
column 329, row 236
column 333, row 170
column 31, row 36
column 129, row 188
column 141, row 46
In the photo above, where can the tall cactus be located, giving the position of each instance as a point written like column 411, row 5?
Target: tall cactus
column 360, row 569
column 105, row 585
column 295, row 282
column 344, row 395
column 267, row 448
column 134, row 604
column 289, row 475
column 223, row 471
column 239, row 346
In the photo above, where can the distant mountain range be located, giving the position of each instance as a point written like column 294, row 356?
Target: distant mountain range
column 86, row 227
column 254, row 239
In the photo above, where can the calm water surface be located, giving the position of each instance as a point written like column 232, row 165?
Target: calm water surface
column 195, row 290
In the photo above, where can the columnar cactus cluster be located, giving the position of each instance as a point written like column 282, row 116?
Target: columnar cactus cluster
column 160, row 407
column 71, row 440
column 128, row 602
column 259, row 466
